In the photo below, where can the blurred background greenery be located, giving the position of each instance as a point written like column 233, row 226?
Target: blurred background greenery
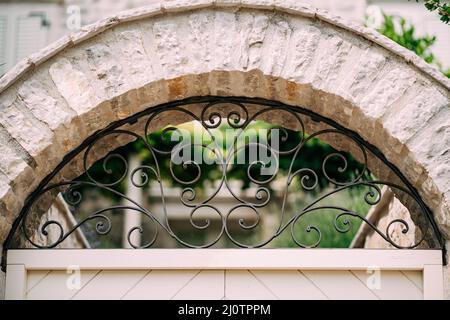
column 312, row 156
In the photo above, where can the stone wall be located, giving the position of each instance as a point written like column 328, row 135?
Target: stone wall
column 59, row 211
column 387, row 210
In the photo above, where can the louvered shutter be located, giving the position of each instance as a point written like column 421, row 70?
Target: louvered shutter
column 30, row 36
column 3, row 24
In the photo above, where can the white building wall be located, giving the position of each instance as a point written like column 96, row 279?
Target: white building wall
column 26, row 28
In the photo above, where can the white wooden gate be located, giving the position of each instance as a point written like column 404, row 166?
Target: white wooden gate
column 224, row 274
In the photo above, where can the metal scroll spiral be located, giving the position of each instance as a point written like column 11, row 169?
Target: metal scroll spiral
column 213, row 115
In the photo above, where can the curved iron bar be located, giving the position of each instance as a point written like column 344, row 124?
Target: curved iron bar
column 238, row 118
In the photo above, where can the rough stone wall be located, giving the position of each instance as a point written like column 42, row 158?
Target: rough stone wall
column 273, row 49
column 60, row 212
column 388, row 210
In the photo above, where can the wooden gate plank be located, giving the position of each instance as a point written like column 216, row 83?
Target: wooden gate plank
column 242, row 284
column 289, row 285
column 206, row 285
column 34, row 277
column 416, row 277
column 110, row 284
column 433, row 282
column 389, row 285
column 340, row 285
column 160, row 284
column 16, row 282
column 54, row 285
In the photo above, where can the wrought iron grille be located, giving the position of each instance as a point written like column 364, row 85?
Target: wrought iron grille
column 238, row 114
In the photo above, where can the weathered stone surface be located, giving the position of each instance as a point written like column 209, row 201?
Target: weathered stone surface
column 443, row 218
column 258, row 4
column 431, row 147
column 168, row 47
column 12, row 163
column 21, row 68
column 332, row 61
column 417, row 108
column 16, row 170
column 387, row 89
column 94, row 29
column 49, row 51
column 200, row 37
column 304, row 42
column 32, row 135
column 73, row 85
column 40, row 95
column 276, row 44
column 390, row 209
column 360, row 81
column 134, row 58
column 181, row 5
column 225, row 41
column 147, row 11
column 36, row 95
column 228, row 3
column 294, row 6
column 9, row 204
column 109, row 80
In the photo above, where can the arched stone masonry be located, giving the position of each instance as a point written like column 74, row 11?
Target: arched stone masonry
column 170, row 50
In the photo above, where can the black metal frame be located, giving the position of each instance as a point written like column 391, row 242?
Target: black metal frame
column 238, row 118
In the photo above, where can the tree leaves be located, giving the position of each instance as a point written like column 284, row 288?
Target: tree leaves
column 441, row 6
column 401, row 31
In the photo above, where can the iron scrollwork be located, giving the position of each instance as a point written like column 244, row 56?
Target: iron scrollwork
column 238, row 115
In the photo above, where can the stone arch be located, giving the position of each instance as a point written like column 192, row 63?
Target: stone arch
column 171, row 50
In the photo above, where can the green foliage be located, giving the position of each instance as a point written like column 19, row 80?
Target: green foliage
column 442, row 7
column 399, row 30
column 325, row 220
column 312, row 156
column 406, row 37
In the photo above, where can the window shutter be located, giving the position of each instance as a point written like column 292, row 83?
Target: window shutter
column 30, row 36
column 3, row 23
